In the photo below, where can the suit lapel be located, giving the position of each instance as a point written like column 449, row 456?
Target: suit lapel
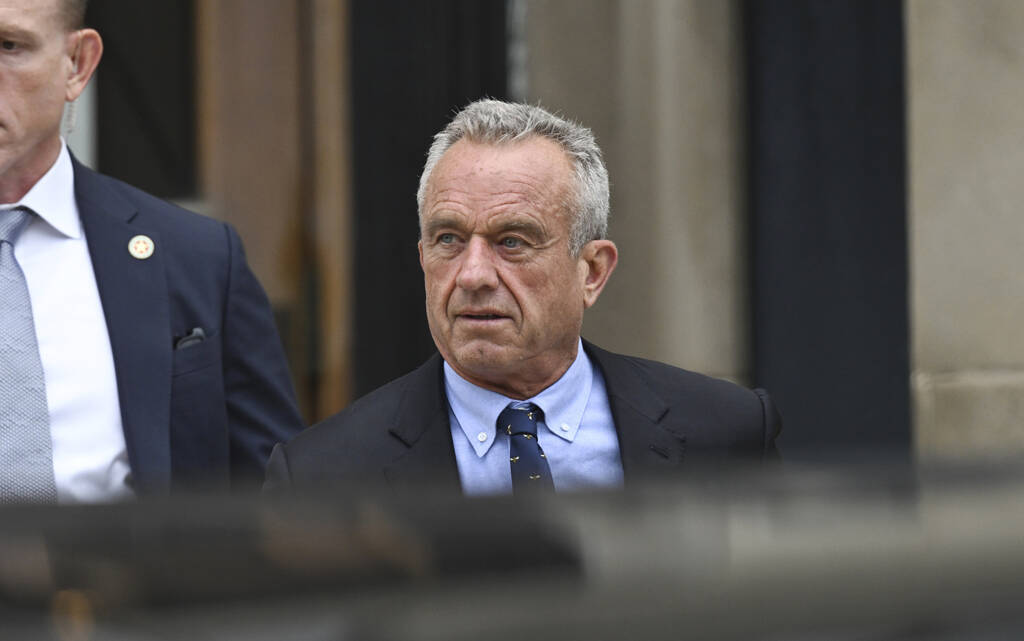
column 646, row 444
column 422, row 426
column 135, row 305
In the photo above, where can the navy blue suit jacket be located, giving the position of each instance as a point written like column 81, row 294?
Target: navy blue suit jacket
column 667, row 419
column 209, row 413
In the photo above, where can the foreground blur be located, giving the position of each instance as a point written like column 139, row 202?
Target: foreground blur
column 795, row 554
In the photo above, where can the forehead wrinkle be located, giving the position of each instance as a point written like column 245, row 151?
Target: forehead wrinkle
column 465, row 200
column 530, row 176
column 524, row 185
column 544, row 193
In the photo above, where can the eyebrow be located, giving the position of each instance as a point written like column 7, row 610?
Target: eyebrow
column 439, row 223
column 527, row 227
column 10, row 31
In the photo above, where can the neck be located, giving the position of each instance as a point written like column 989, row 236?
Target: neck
column 524, row 383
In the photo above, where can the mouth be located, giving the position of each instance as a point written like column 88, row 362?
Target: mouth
column 482, row 316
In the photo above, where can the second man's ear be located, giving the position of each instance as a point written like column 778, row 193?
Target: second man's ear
column 85, row 50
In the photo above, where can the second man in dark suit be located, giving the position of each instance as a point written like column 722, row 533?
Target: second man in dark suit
column 513, row 206
column 138, row 353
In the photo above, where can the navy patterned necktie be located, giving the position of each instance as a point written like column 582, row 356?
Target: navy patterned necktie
column 26, row 449
column 530, row 470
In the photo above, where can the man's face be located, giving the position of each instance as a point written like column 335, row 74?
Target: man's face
column 505, row 298
column 35, row 65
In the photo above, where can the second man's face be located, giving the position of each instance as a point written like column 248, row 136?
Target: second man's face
column 505, row 298
column 34, row 66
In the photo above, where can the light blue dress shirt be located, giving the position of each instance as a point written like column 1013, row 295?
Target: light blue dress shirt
column 578, row 434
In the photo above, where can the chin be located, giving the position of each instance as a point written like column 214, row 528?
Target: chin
column 481, row 358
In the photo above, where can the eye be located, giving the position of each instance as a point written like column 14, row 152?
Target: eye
column 446, row 239
column 511, row 242
column 8, row 45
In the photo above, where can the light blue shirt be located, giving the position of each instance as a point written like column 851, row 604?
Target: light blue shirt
column 577, row 435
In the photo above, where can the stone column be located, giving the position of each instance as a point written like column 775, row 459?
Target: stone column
column 966, row 127
column 659, row 82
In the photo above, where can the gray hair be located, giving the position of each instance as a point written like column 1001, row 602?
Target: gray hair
column 497, row 122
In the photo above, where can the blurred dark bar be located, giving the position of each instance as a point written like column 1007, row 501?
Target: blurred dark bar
column 413, row 65
column 857, row 553
column 145, row 94
column 827, row 198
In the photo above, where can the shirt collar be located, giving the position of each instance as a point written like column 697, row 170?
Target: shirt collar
column 52, row 198
column 563, row 403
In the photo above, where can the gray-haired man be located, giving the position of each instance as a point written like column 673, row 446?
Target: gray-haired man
column 513, row 208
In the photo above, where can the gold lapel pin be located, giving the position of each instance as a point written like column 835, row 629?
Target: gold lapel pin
column 141, row 247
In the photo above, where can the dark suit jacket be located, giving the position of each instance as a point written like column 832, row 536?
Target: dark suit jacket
column 399, row 435
column 204, row 414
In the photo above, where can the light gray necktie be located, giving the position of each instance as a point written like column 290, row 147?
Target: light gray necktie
column 26, row 450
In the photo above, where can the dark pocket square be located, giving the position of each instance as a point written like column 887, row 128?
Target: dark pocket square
column 196, row 355
column 196, row 336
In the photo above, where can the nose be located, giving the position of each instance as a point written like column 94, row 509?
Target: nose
column 477, row 270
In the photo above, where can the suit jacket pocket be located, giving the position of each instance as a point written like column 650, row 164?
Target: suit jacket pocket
column 199, row 423
column 197, row 356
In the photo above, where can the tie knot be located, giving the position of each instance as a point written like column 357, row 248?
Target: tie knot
column 12, row 222
column 520, row 418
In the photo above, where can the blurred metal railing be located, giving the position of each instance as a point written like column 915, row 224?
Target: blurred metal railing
column 848, row 553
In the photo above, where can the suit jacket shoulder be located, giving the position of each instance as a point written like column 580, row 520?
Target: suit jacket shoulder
column 396, row 436
column 714, row 419
column 95, row 191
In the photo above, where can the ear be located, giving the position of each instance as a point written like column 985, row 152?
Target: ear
column 85, row 48
column 419, row 248
column 597, row 262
